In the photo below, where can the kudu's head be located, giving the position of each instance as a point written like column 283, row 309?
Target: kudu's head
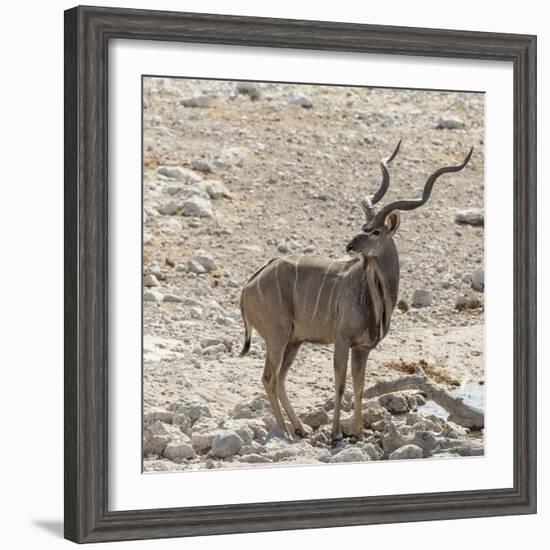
column 377, row 234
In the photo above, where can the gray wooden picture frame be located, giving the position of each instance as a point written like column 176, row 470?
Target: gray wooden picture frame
column 87, row 34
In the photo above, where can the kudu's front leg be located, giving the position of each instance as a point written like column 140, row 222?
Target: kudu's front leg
column 359, row 358
column 341, row 354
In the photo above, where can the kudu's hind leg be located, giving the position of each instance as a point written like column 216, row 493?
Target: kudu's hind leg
column 358, row 365
column 289, row 356
column 273, row 362
column 341, row 355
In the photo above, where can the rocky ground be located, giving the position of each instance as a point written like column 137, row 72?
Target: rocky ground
column 235, row 174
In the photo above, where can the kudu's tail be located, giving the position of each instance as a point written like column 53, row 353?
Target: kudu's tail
column 247, row 331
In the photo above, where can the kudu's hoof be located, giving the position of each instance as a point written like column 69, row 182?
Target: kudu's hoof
column 300, row 432
column 335, row 441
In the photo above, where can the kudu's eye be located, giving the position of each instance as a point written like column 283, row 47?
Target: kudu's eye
column 376, row 232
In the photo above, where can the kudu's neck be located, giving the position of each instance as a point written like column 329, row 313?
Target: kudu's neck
column 387, row 266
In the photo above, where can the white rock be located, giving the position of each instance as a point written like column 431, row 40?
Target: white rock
column 315, row 419
column 302, row 101
column 197, row 102
column 174, row 298
column 242, row 429
column 203, row 434
column 470, row 216
column 181, row 449
column 150, row 280
column 155, row 414
column 216, row 189
column 197, row 207
column 232, row 156
column 406, row 452
column 351, row 454
column 202, row 165
column 372, row 451
column 226, row 443
column 205, row 260
column 168, row 209
column 152, row 296
column 193, row 266
column 449, row 123
column 422, row 297
column 255, row 459
column 193, row 407
column 178, row 173
column 478, row 280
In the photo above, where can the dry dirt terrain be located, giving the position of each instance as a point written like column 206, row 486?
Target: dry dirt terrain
column 235, row 174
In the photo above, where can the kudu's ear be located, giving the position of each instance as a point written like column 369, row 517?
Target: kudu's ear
column 392, row 222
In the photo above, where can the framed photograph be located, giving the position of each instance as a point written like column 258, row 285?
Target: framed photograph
column 300, row 274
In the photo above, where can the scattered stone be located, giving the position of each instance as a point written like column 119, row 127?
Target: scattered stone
column 395, row 403
column 255, row 459
column 150, row 280
column 158, row 414
column 449, row 123
column 193, row 407
column 197, row 102
column 202, row 165
column 179, row 173
column 403, row 305
column 197, row 207
column 464, row 301
column 169, row 209
column 406, row 452
column 226, row 443
column 178, row 450
column 152, row 296
column 258, row 407
column 471, row 216
column 478, row 280
column 204, row 260
column 422, row 297
column 302, row 101
column 371, row 415
column 193, row 266
column 251, row 89
column 315, row 419
column 174, row 298
column 227, row 158
column 216, row 190
column 351, row 454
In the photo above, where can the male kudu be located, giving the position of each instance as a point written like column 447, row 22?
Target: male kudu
column 348, row 303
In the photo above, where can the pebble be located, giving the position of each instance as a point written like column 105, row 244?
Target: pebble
column 226, row 443
column 315, row 419
column 193, row 266
column 174, row 298
column 251, row 89
column 302, row 101
column 197, row 102
column 202, row 165
column 205, row 260
column 449, row 123
column 177, row 450
column 422, row 297
column 478, row 280
column 216, row 190
column 152, row 296
column 150, row 280
column 470, row 216
column 197, row 207
column 406, row 452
